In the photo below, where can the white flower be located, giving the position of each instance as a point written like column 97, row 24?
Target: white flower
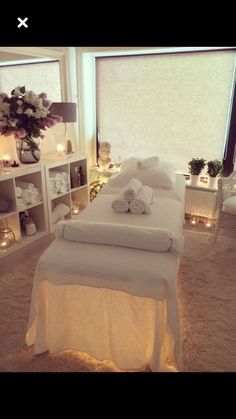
column 29, row 112
column 12, row 122
column 4, row 109
column 40, row 113
column 31, row 97
column 19, row 102
column 19, row 111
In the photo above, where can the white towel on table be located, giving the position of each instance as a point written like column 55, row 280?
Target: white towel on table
column 142, row 202
column 119, row 204
column 132, row 189
column 149, row 162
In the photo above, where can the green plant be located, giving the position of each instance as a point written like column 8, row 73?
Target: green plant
column 196, row 166
column 214, row 168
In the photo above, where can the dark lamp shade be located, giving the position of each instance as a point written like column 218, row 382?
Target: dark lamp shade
column 67, row 110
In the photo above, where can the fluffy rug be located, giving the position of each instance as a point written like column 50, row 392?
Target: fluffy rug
column 207, row 296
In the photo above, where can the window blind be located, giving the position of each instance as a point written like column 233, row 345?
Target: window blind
column 175, row 106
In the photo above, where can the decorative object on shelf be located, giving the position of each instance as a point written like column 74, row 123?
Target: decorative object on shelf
column 95, row 188
column 82, row 177
column 14, row 164
column 67, row 112
column 214, row 169
column 30, row 227
column 24, row 115
column 195, row 168
column 104, row 160
column 7, row 237
column 69, row 149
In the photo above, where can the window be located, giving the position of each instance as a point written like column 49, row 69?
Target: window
column 39, row 77
column 174, row 105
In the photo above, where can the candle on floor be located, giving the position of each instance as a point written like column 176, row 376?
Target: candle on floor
column 194, row 221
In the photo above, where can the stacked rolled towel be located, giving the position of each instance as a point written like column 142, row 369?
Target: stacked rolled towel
column 58, row 181
column 131, row 190
column 27, row 194
column 149, row 162
column 141, row 204
column 120, row 205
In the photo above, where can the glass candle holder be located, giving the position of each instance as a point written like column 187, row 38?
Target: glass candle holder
column 75, row 208
column 7, row 238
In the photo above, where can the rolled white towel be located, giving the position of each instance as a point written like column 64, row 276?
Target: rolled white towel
column 36, row 196
column 18, row 191
column 131, row 190
column 149, row 162
column 59, row 211
column 25, row 185
column 142, row 202
column 21, row 204
column 120, row 205
column 55, row 175
column 27, row 196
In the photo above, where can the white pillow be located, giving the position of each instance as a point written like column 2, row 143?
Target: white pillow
column 229, row 205
column 160, row 176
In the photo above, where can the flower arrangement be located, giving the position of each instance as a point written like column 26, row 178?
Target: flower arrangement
column 25, row 114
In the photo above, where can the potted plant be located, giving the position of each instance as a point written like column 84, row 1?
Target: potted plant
column 214, row 169
column 195, row 168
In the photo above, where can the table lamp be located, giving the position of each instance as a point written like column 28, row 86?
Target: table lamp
column 67, row 110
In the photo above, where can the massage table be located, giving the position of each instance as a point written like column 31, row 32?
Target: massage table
column 112, row 302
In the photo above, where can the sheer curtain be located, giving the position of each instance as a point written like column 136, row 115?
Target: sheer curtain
column 172, row 105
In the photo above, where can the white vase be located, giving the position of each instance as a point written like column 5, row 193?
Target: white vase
column 195, row 180
column 212, row 182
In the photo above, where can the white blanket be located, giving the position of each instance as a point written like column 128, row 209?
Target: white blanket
column 68, row 266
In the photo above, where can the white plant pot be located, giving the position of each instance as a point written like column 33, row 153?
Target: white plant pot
column 213, row 182
column 195, row 180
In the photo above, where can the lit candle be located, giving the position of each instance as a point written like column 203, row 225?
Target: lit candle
column 60, row 149
column 194, row 221
column 208, row 223
column 6, row 160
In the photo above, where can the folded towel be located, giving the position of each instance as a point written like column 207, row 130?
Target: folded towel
column 59, row 211
column 25, row 185
column 18, row 191
column 120, row 205
column 134, row 236
column 21, row 204
column 149, row 162
column 142, row 202
column 27, row 196
column 132, row 189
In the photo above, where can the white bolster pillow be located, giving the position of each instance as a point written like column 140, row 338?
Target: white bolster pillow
column 136, row 237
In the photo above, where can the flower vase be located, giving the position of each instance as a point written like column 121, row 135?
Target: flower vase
column 195, row 180
column 28, row 150
column 213, row 182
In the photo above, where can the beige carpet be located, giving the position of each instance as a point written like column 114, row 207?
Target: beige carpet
column 207, row 295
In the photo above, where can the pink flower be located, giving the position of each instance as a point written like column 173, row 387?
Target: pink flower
column 20, row 133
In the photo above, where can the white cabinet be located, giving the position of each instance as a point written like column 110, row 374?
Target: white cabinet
column 74, row 195
column 11, row 217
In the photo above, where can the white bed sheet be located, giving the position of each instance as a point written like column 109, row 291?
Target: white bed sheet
column 103, row 273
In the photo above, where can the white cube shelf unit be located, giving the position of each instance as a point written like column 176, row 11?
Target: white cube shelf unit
column 69, row 194
column 38, row 211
